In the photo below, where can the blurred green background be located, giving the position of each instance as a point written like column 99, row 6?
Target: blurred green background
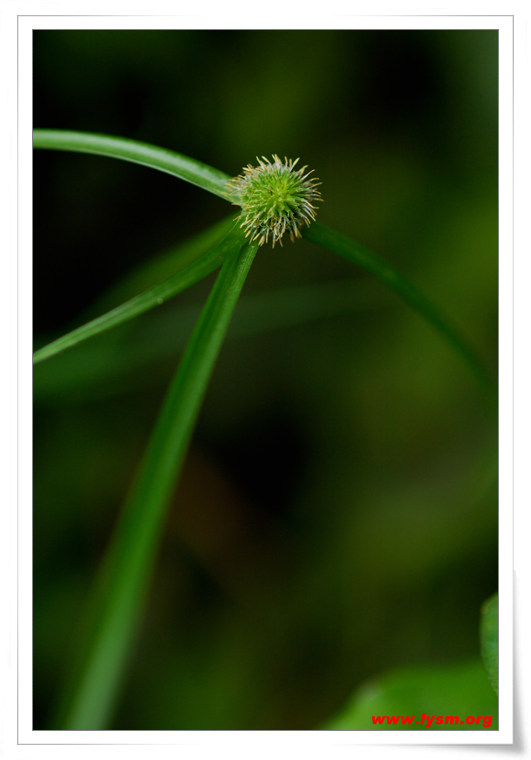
column 337, row 516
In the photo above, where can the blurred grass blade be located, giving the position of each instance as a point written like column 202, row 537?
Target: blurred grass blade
column 489, row 639
column 116, row 362
column 127, row 567
column 143, row 302
column 159, row 266
column 152, row 156
column 357, row 254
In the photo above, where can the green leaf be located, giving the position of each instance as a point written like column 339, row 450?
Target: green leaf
column 155, row 296
column 164, row 160
column 489, row 639
column 357, row 254
column 126, row 571
column 459, row 690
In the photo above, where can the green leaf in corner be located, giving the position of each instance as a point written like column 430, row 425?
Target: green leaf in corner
column 456, row 692
column 489, row 639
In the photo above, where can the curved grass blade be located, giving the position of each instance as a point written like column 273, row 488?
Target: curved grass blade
column 164, row 160
column 357, row 254
column 127, row 567
column 155, row 296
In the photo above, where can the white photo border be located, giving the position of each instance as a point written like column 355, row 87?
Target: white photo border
column 28, row 16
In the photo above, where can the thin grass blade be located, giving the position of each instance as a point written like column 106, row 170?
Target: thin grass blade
column 127, row 568
column 151, row 298
column 159, row 266
column 168, row 161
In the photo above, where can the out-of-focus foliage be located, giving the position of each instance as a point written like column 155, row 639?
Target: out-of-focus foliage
column 337, row 515
column 425, row 695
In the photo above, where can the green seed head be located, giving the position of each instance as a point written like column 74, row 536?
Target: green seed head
column 275, row 198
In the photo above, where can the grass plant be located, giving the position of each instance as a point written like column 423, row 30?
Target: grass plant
column 275, row 198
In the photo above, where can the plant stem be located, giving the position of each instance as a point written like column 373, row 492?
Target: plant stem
column 128, row 565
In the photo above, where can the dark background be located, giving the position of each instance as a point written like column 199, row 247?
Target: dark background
column 337, row 515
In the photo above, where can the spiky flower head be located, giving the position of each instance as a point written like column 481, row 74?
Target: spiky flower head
column 275, row 198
